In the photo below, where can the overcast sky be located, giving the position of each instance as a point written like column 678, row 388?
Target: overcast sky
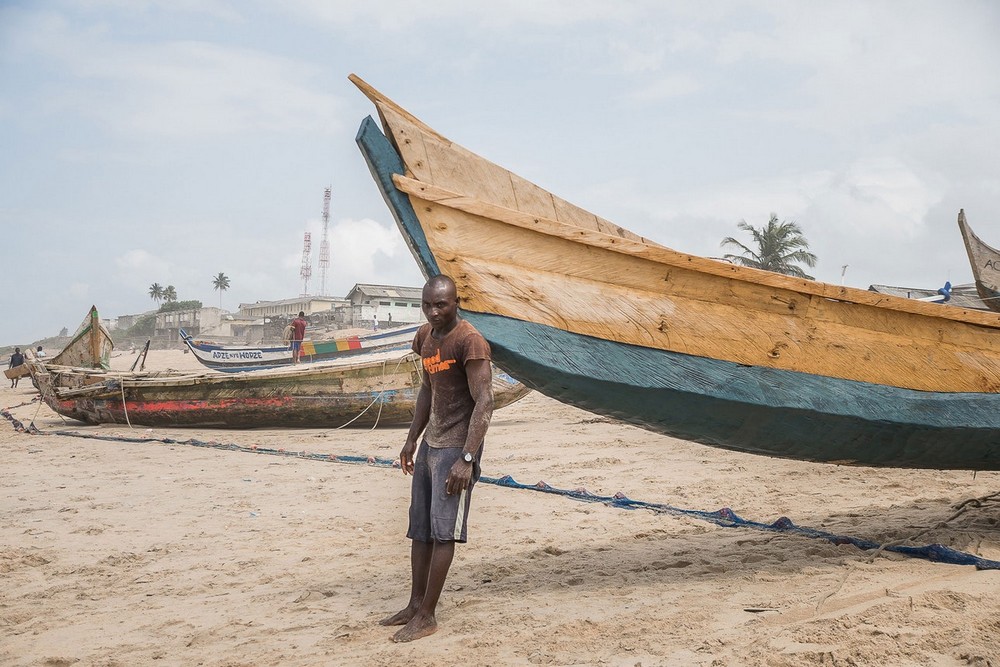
column 165, row 141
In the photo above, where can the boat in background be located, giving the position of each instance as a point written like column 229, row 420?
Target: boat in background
column 985, row 261
column 594, row 315
column 374, row 389
column 958, row 296
column 90, row 347
column 236, row 358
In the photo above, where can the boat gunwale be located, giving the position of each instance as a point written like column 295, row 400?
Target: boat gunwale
column 433, row 194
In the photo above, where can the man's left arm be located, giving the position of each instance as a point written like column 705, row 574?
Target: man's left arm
column 480, row 379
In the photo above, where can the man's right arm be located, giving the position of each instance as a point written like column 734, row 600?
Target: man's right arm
column 421, row 415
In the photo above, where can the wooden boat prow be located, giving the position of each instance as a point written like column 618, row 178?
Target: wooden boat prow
column 90, row 347
column 599, row 317
column 985, row 261
column 487, row 182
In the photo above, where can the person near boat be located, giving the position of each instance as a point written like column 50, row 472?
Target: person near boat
column 453, row 411
column 298, row 335
column 16, row 359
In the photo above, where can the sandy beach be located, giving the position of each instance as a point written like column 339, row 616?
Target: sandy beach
column 153, row 553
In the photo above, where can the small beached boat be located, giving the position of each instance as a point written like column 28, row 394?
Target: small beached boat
column 378, row 388
column 90, row 347
column 596, row 316
column 985, row 261
column 235, row 358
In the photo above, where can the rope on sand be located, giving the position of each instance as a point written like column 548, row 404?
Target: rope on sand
column 724, row 517
column 16, row 423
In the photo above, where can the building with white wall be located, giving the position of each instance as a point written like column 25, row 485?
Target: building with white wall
column 386, row 303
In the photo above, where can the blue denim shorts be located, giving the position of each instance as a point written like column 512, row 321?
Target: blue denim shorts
column 436, row 516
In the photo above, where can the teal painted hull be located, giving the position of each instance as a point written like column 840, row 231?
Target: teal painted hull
column 750, row 409
column 720, row 403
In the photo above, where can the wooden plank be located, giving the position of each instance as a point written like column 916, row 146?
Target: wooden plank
column 428, row 194
column 410, row 142
column 16, row 372
column 555, row 281
column 434, row 160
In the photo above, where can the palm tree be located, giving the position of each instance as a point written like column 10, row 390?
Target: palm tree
column 221, row 283
column 169, row 294
column 156, row 292
column 780, row 247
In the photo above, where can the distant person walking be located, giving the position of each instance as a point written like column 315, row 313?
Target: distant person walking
column 16, row 360
column 375, row 322
column 298, row 335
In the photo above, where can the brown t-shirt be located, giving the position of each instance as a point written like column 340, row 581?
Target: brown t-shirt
column 444, row 362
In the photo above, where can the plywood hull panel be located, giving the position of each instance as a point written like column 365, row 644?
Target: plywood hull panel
column 600, row 318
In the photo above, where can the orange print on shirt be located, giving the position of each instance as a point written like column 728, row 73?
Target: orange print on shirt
column 434, row 364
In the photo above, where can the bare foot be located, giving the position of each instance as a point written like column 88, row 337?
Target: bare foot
column 400, row 617
column 418, row 626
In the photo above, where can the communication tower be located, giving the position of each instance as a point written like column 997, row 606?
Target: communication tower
column 324, row 245
column 307, row 270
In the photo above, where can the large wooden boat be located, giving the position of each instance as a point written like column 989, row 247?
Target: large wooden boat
column 985, row 261
column 90, row 347
column 235, row 358
column 379, row 388
column 591, row 314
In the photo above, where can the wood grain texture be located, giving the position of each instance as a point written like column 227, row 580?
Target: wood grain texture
column 601, row 286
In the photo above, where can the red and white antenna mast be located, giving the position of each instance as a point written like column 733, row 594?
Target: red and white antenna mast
column 324, row 245
column 306, row 271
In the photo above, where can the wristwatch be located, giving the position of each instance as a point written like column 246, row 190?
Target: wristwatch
column 467, row 457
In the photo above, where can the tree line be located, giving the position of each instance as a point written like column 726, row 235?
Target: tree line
column 168, row 295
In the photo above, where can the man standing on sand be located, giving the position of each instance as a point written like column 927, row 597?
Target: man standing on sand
column 298, row 335
column 454, row 404
column 16, row 360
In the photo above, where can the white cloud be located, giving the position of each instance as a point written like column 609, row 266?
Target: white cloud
column 177, row 88
column 354, row 245
column 400, row 14
column 667, row 86
column 219, row 9
column 863, row 63
column 632, row 59
column 897, row 197
column 140, row 260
